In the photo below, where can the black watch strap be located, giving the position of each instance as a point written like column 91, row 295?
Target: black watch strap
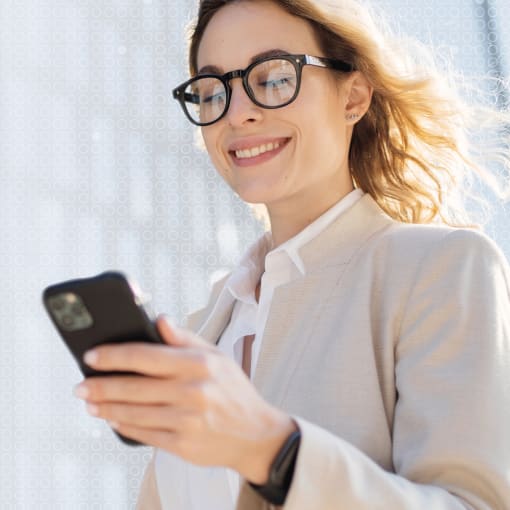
column 281, row 472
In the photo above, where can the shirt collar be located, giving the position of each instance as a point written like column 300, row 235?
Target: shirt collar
column 261, row 257
column 241, row 283
column 292, row 246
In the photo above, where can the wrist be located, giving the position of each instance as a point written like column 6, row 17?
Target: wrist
column 257, row 463
column 281, row 474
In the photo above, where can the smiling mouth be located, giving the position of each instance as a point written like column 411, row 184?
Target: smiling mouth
column 256, row 152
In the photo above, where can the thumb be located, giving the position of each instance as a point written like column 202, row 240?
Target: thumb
column 177, row 337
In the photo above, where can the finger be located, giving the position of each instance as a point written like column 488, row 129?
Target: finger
column 142, row 416
column 178, row 337
column 147, row 359
column 163, row 439
column 132, row 389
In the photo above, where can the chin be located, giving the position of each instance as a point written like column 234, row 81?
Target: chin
column 248, row 192
column 253, row 198
column 261, row 190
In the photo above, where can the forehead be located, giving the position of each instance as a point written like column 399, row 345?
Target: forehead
column 243, row 29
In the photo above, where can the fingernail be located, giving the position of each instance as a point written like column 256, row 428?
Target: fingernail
column 90, row 357
column 92, row 409
column 81, row 391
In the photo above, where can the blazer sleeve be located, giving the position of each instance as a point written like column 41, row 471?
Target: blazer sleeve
column 148, row 497
column 451, row 446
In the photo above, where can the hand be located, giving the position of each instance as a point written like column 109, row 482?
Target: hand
column 189, row 399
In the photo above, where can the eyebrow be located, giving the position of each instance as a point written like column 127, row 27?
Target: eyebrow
column 275, row 52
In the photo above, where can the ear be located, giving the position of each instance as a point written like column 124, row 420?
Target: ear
column 358, row 95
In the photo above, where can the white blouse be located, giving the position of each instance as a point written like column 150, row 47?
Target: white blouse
column 183, row 485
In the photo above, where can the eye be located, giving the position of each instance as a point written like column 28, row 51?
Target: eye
column 276, row 83
column 207, row 91
column 214, row 98
column 274, row 75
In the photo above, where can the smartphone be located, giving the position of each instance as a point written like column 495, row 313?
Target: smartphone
column 107, row 308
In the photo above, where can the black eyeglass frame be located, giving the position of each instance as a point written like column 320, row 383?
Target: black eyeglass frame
column 298, row 61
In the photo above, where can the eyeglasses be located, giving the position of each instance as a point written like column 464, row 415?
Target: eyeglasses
column 271, row 82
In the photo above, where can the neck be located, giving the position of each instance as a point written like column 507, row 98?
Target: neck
column 287, row 220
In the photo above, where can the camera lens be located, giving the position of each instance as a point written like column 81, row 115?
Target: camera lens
column 67, row 321
column 77, row 309
column 58, row 304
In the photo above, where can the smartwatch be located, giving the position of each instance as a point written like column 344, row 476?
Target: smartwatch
column 281, row 472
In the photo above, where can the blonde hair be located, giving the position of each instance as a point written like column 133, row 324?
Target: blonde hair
column 414, row 150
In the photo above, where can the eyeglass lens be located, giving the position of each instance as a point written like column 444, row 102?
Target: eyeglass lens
column 272, row 83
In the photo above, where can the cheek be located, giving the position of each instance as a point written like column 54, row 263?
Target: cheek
column 331, row 126
column 324, row 137
column 319, row 108
column 210, row 137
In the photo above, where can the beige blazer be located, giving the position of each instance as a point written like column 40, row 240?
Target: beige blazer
column 393, row 355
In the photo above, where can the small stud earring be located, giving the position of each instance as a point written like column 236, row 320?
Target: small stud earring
column 352, row 116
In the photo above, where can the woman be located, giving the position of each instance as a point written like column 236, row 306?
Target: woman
column 362, row 351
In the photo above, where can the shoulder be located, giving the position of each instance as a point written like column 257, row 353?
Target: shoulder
column 426, row 235
column 421, row 243
column 403, row 259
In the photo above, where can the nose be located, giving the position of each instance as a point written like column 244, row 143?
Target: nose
column 242, row 109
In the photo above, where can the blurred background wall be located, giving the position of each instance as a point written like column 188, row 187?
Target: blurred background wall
column 99, row 170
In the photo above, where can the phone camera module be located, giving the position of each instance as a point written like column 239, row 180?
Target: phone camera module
column 70, row 312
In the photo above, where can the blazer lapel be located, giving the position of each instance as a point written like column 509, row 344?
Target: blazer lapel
column 326, row 258
column 210, row 321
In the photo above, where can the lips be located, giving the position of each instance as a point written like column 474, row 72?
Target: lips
column 253, row 151
column 254, row 141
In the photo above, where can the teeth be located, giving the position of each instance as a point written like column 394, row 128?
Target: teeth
column 257, row 151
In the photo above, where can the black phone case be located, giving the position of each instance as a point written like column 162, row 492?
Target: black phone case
column 118, row 316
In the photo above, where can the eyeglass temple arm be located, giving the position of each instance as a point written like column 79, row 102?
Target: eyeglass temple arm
column 189, row 98
column 339, row 65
